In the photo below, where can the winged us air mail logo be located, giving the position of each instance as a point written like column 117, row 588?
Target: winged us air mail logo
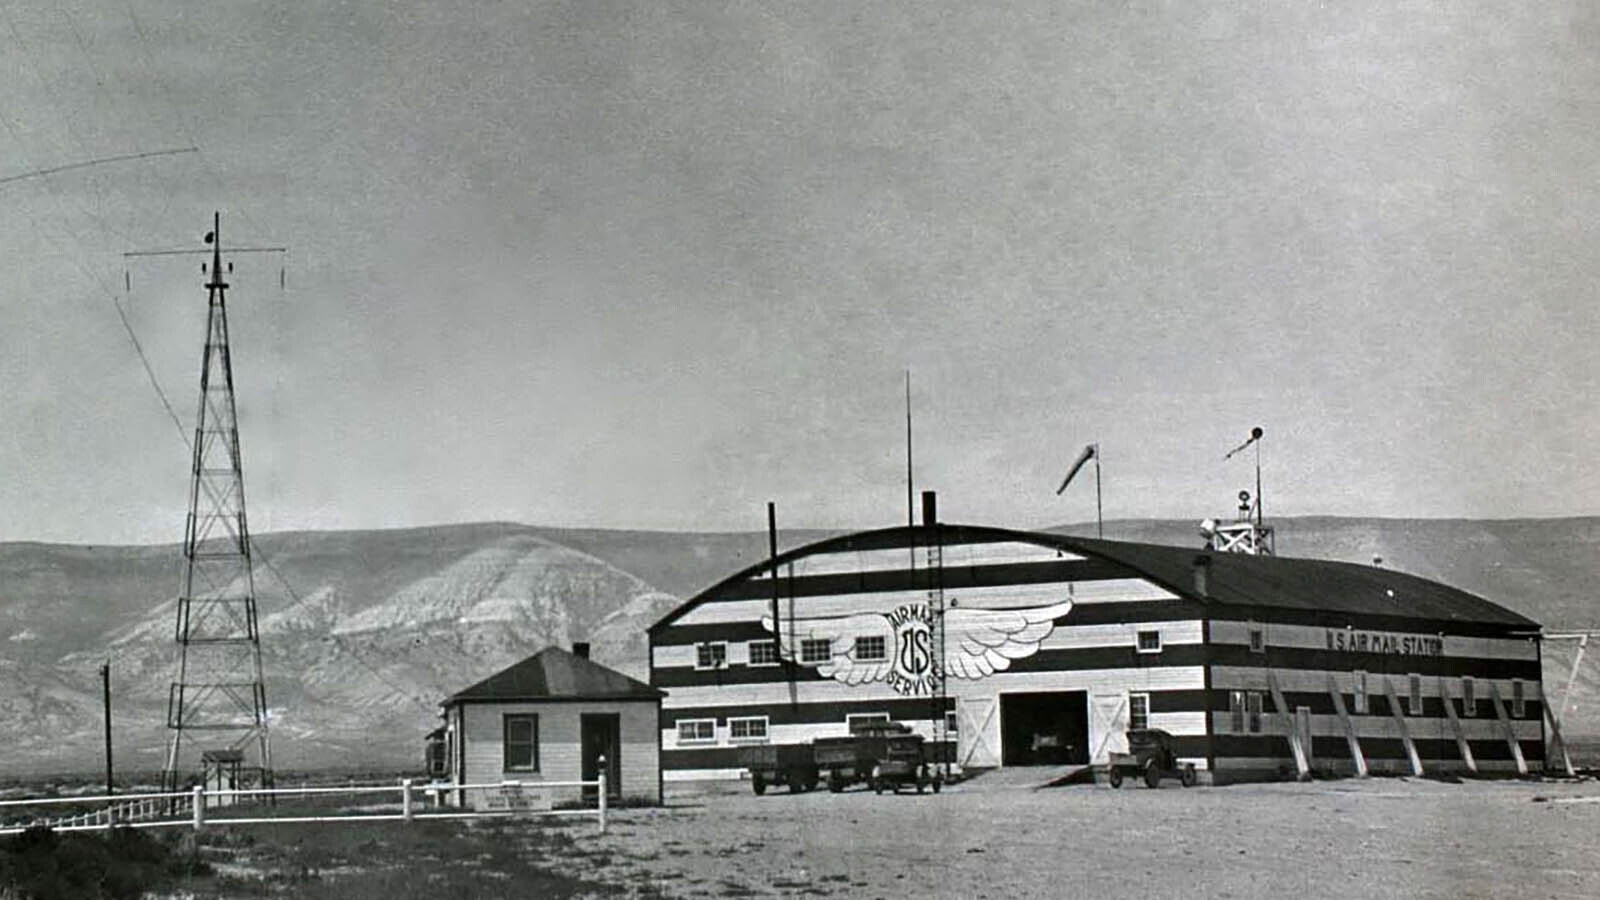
column 898, row 646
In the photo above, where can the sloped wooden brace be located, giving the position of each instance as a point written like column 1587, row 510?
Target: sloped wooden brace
column 1302, row 768
column 1455, row 725
column 1555, row 732
column 1400, row 721
column 1505, row 723
column 1349, row 727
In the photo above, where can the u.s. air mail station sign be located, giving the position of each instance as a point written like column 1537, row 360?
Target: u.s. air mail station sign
column 1350, row 640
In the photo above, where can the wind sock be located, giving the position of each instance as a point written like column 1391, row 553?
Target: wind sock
column 1255, row 435
column 1087, row 454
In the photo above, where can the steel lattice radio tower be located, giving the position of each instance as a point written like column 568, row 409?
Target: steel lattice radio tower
column 218, row 699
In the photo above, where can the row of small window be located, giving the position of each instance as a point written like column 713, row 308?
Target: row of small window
column 1244, row 707
column 868, row 648
column 755, row 728
column 714, row 654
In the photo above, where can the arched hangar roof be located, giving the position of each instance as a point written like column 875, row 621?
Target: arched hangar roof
column 1232, row 580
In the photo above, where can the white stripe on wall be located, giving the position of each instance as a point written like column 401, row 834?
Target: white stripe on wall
column 1100, row 681
column 1117, row 590
column 851, row 562
column 1315, row 681
column 1306, row 637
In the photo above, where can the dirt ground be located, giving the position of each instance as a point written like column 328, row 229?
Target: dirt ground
column 1002, row 838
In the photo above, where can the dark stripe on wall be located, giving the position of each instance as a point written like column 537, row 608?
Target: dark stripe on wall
column 912, row 709
column 1376, row 664
column 954, row 578
column 1321, row 703
column 1326, row 748
column 1081, row 614
column 733, row 757
column 1333, row 619
column 1043, row 661
column 907, row 710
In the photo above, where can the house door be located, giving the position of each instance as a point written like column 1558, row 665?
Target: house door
column 601, row 735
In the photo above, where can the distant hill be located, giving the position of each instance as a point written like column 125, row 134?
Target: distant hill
column 364, row 632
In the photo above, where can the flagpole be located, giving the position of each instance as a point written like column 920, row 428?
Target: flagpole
column 1099, row 514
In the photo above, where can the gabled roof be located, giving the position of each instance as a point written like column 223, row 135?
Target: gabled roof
column 554, row 674
column 1233, row 579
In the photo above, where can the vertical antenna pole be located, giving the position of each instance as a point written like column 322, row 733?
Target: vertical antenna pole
column 1099, row 512
column 777, row 620
column 1259, row 515
column 105, row 693
column 911, row 509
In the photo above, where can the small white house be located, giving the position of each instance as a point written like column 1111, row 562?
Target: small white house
column 553, row 718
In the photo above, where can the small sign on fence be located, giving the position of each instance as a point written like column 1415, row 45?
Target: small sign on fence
column 514, row 796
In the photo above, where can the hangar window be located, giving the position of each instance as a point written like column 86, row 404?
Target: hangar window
column 1138, row 711
column 1255, row 712
column 1360, row 692
column 1469, row 696
column 816, row 650
column 1414, row 695
column 952, row 723
column 1236, row 712
column 763, row 653
column 1519, row 703
column 854, row 722
column 1150, row 641
column 520, row 734
column 1258, row 639
column 749, row 728
column 870, row 648
column 711, row 655
column 697, row 731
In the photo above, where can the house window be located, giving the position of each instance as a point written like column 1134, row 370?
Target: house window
column 870, row 649
column 1254, row 711
column 1469, row 696
column 1414, row 696
column 1236, row 712
column 711, row 655
column 520, row 734
column 1138, row 711
column 1360, row 690
column 1519, row 703
column 816, row 650
column 1149, row 642
column 763, row 653
column 749, row 728
column 1258, row 639
column 697, row 731
column 855, row 721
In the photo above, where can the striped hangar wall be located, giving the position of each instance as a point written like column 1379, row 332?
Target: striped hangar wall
column 1053, row 653
column 1055, row 646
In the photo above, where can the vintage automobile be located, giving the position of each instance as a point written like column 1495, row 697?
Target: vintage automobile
column 881, row 755
column 1149, row 754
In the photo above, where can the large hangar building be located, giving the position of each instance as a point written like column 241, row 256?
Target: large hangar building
column 1260, row 667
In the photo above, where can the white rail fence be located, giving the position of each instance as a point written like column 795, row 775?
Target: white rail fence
column 201, row 808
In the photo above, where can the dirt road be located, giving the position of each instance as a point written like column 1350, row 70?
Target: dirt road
column 1375, row 838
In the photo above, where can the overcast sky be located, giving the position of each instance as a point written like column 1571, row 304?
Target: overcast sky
column 653, row 264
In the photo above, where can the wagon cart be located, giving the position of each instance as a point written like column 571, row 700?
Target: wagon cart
column 774, row 765
column 1149, row 754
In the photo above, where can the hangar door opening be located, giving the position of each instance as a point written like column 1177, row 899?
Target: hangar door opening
column 1044, row 729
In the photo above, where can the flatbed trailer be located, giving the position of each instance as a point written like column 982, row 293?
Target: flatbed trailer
column 776, row 765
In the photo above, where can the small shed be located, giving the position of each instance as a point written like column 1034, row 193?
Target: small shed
column 552, row 718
